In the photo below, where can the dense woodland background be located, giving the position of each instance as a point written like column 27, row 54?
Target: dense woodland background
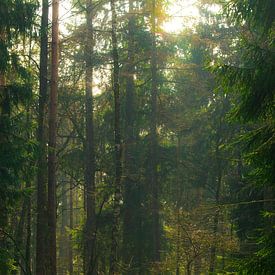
column 127, row 149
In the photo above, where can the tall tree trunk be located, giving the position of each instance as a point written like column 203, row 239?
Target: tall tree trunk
column 71, row 224
column 213, row 248
column 131, row 204
column 52, row 141
column 63, row 240
column 118, row 149
column 27, row 251
column 42, row 226
column 154, row 142
column 28, row 234
column 19, row 237
column 3, row 208
column 89, row 257
column 178, row 205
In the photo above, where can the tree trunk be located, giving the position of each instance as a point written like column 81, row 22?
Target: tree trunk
column 217, row 214
column 131, row 204
column 89, row 257
column 178, row 204
column 154, row 142
column 118, row 150
column 71, row 224
column 28, row 234
column 52, row 142
column 27, row 255
column 63, row 240
column 19, row 237
column 42, row 226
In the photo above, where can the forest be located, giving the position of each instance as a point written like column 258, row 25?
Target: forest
column 137, row 137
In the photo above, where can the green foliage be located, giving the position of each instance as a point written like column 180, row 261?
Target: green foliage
column 250, row 77
column 16, row 151
column 257, row 13
column 252, row 81
column 262, row 261
column 215, row 138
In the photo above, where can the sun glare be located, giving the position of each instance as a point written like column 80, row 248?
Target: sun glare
column 181, row 14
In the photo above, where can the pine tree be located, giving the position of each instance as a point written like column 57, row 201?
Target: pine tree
column 118, row 148
column 52, row 167
column 42, row 224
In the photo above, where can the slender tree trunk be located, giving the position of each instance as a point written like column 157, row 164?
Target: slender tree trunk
column 2, row 77
column 42, row 226
column 63, row 240
column 28, row 234
column 118, row 149
column 178, row 208
column 27, row 264
column 3, row 208
column 52, row 141
column 154, row 142
column 71, row 224
column 89, row 257
column 213, row 248
column 19, row 237
column 131, row 205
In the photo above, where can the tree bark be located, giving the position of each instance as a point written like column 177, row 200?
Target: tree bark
column 52, row 141
column 118, row 149
column 178, row 204
column 63, row 239
column 217, row 214
column 89, row 257
column 28, row 233
column 19, row 237
column 154, row 141
column 131, row 204
column 42, row 226
column 71, row 224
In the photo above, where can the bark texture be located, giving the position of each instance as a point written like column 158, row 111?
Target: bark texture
column 41, row 224
column 89, row 246
column 52, row 141
column 118, row 149
column 154, row 142
column 131, row 218
column 213, row 249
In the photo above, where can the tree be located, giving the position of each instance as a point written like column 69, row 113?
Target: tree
column 89, row 257
column 52, row 141
column 118, row 148
column 131, row 219
column 251, row 82
column 16, row 89
column 156, row 165
column 42, row 224
column 154, row 143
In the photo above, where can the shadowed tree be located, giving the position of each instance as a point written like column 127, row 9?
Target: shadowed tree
column 52, row 167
